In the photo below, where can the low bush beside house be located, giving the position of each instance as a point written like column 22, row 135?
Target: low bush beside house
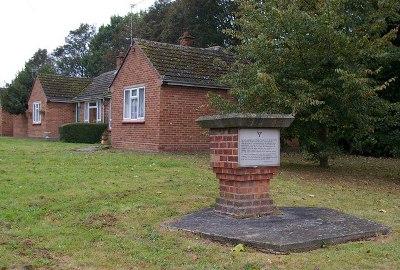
column 82, row 132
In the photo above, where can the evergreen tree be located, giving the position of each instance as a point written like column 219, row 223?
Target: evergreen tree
column 109, row 41
column 71, row 59
column 206, row 20
column 153, row 22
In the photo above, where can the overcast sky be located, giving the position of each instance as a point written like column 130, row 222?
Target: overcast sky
column 27, row 25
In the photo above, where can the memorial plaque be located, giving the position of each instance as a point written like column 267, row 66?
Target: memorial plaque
column 259, row 147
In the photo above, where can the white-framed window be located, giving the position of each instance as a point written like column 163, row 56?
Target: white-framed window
column 134, row 103
column 78, row 112
column 92, row 112
column 36, row 117
column 99, row 113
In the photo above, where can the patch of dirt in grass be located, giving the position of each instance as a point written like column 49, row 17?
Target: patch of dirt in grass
column 125, row 193
column 31, row 253
column 28, row 248
column 104, row 220
column 5, row 225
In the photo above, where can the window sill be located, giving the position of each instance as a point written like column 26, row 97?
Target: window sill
column 133, row 121
column 36, row 123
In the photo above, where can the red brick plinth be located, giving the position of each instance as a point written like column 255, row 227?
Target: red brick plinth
column 244, row 191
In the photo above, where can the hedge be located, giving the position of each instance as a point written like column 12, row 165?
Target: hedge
column 81, row 132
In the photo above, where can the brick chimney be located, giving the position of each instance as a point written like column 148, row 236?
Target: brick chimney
column 186, row 39
column 119, row 60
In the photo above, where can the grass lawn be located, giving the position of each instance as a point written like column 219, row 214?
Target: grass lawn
column 64, row 209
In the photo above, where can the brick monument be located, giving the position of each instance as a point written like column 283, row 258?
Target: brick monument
column 245, row 155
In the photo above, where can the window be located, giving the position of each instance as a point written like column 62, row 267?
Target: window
column 92, row 112
column 78, row 112
column 134, row 104
column 36, row 117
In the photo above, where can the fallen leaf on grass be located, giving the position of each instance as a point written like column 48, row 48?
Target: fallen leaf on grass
column 238, row 248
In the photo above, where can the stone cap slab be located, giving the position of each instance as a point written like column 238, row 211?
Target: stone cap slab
column 245, row 120
column 292, row 229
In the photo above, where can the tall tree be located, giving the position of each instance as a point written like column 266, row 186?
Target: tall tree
column 153, row 22
column 109, row 41
column 204, row 19
column 71, row 59
column 315, row 59
column 15, row 98
column 40, row 61
column 385, row 138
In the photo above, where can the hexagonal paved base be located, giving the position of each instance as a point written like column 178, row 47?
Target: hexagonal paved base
column 295, row 229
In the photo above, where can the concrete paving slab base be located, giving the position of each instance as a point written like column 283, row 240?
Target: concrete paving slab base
column 292, row 229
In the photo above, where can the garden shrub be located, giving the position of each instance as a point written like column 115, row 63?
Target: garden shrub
column 82, row 132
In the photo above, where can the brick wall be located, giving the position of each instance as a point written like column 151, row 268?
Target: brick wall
column 143, row 136
column 56, row 115
column 20, row 125
column 6, row 123
column 180, row 107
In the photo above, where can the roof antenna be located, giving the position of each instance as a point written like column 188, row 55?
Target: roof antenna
column 132, row 6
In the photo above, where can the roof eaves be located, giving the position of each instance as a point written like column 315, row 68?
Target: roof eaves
column 193, row 84
column 60, row 100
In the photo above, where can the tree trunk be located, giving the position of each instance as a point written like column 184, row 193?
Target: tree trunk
column 323, row 136
column 324, row 162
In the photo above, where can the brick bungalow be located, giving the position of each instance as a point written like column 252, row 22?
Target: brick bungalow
column 6, row 120
column 159, row 92
column 51, row 104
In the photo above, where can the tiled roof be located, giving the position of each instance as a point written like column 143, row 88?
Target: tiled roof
column 187, row 65
column 98, row 88
column 62, row 89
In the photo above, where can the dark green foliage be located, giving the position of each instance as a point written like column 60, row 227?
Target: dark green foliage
column 72, row 58
column 82, row 132
column 108, row 42
column 152, row 24
column 383, row 140
column 14, row 100
column 206, row 20
column 317, row 60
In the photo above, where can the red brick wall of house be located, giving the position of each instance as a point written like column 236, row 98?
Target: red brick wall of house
column 180, row 107
column 144, row 136
column 54, row 114
column 37, row 95
column 6, row 123
column 20, row 125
